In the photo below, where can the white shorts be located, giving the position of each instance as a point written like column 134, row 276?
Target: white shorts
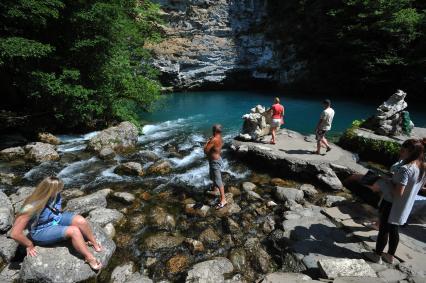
column 276, row 123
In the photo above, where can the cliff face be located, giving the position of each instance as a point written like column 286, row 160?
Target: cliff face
column 221, row 42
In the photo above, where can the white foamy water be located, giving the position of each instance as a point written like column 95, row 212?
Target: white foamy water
column 77, row 170
column 196, row 154
column 77, row 138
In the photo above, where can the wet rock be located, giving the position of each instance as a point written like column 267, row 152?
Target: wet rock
column 247, row 186
column 161, row 167
column 122, row 137
column 57, row 264
column 106, row 153
column 228, row 210
column 137, row 222
column 238, row 257
column 209, row 236
column 268, row 225
column 278, row 277
column 161, row 219
column 122, row 273
column 330, row 201
column 124, row 197
column 109, row 229
column 201, row 212
column 12, row 153
column 271, row 203
column 40, row 152
column 148, row 155
column 6, row 213
column 162, row 241
column 85, row 204
column 8, row 178
column 129, row 168
column 288, row 194
column 7, row 248
column 103, row 216
column 252, row 195
column 259, row 258
column 49, row 138
column 232, row 226
column 234, row 191
column 338, row 267
column 211, row 271
column 138, row 278
column 177, row 264
column 194, row 245
column 278, row 182
column 308, row 190
column 330, row 179
column 18, row 198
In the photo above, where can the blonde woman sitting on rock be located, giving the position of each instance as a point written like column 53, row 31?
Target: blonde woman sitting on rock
column 42, row 214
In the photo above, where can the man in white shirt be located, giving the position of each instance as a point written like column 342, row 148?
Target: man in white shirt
column 324, row 125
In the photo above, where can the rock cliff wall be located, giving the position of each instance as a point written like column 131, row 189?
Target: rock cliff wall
column 219, row 43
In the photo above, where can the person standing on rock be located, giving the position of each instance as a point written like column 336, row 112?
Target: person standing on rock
column 277, row 118
column 42, row 215
column 323, row 126
column 395, row 209
column 212, row 149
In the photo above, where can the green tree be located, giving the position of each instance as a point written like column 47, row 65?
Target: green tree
column 80, row 63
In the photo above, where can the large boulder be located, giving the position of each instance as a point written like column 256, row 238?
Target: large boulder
column 85, row 204
column 103, row 216
column 63, row 264
column 119, row 138
column 122, row 273
column 6, row 213
column 256, row 124
column 7, row 248
column 259, row 258
column 338, row 267
column 12, row 153
column 211, row 271
column 129, row 168
column 49, row 138
column 278, row 277
column 18, row 198
column 288, row 194
column 329, row 179
column 40, row 152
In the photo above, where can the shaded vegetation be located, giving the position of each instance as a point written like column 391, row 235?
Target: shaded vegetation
column 357, row 46
column 78, row 63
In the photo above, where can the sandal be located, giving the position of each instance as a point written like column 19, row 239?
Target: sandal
column 90, row 244
column 221, row 205
column 271, row 142
column 94, row 263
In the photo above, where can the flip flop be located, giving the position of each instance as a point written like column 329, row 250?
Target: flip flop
column 221, row 205
column 328, row 149
column 94, row 264
column 271, row 142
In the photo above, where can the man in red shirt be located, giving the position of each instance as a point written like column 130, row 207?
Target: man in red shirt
column 277, row 117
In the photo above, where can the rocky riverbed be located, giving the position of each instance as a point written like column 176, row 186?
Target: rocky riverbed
column 145, row 198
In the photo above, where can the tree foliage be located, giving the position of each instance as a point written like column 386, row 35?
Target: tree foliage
column 357, row 45
column 78, row 62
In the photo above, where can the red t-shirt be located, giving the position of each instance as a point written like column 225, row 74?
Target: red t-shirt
column 277, row 111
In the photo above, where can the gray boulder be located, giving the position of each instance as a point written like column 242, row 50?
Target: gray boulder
column 119, row 138
column 18, row 198
column 124, row 197
column 106, row 153
column 122, row 273
column 211, row 271
column 40, row 152
column 103, row 216
column 248, row 186
column 10, row 273
column 62, row 264
column 351, row 279
column 129, row 168
column 259, row 258
column 278, row 277
column 288, row 194
column 6, row 213
column 8, row 178
column 308, row 190
column 12, row 153
column 85, row 204
column 7, row 248
column 330, row 179
column 330, row 201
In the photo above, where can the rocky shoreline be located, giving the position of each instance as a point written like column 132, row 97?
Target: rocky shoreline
column 272, row 230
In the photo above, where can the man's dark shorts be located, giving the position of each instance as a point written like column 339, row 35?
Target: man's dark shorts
column 215, row 167
column 320, row 134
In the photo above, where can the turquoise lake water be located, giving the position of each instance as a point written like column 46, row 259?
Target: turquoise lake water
column 226, row 107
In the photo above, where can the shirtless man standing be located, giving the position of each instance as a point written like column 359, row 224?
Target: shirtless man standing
column 212, row 150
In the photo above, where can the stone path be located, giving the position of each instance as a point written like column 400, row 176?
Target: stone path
column 412, row 246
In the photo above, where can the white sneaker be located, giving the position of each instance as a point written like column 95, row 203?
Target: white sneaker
column 373, row 257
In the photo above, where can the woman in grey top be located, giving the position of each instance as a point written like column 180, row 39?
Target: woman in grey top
column 394, row 211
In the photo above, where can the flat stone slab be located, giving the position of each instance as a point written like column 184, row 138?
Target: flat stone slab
column 416, row 133
column 334, row 268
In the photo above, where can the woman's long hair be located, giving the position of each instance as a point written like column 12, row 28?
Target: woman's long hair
column 36, row 202
column 416, row 152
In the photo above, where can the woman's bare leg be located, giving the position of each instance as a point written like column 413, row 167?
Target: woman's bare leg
column 81, row 223
column 78, row 242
